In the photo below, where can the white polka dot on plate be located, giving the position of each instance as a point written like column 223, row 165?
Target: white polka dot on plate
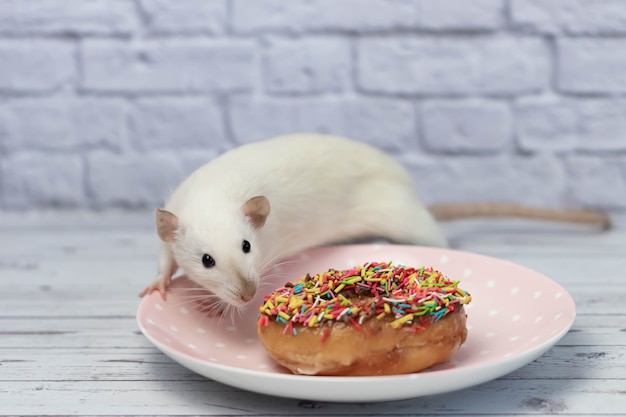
column 241, row 356
column 158, row 307
column 262, row 366
column 491, row 283
column 167, row 340
column 558, row 316
column 514, row 338
column 467, row 272
column 517, row 317
column 192, row 346
column 213, row 359
column 149, row 321
column 183, row 310
column 514, row 290
column 174, row 328
column 538, row 319
column 350, row 262
column 490, row 334
column 484, row 352
column 537, row 294
column 558, row 295
column 493, row 312
column 231, row 329
column 248, row 341
column 200, row 330
column 220, row 345
column 444, row 259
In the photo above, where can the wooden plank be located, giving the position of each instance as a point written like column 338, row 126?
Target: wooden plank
column 76, row 219
column 592, row 330
column 33, row 247
column 135, row 364
column 576, row 362
column 114, row 275
column 69, row 333
column 500, row 397
column 97, row 364
column 501, row 239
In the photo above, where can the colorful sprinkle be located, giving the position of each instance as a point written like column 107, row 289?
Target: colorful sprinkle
column 409, row 297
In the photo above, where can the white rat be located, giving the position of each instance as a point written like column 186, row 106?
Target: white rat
column 259, row 203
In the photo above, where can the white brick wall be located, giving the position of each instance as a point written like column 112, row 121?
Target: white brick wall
column 110, row 103
column 31, row 66
column 466, row 126
column 489, row 65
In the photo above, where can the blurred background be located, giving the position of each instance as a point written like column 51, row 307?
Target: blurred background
column 111, row 103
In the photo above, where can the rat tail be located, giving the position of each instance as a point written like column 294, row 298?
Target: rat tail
column 455, row 211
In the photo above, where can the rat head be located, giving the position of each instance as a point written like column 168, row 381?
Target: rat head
column 222, row 257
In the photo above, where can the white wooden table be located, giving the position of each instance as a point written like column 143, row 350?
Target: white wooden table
column 69, row 343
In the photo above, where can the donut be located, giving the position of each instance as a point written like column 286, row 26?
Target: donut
column 374, row 319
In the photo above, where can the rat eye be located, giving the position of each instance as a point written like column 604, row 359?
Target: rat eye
column 208, row 261
column 245, row 247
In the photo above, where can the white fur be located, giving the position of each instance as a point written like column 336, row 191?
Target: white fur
column 321, row 189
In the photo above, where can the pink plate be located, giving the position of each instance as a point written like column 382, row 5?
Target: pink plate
column 515, row 316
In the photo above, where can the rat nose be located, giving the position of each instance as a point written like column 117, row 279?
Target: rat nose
column 246, row 297
column 247, row 291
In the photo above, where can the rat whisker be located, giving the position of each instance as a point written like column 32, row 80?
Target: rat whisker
column 213, row 310
column 240, row 311
column 232, row 315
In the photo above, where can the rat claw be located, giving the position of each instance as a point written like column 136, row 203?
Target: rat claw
column 146, row 291
column 161, row 285
column 163, row 289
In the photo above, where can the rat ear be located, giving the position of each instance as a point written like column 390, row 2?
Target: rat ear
column 257, row 209
column 166, row 225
